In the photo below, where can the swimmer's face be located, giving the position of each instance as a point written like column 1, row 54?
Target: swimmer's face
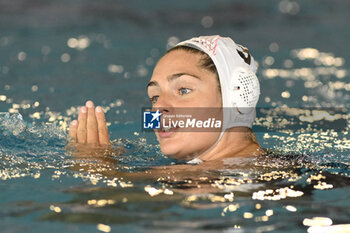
column 178, row 81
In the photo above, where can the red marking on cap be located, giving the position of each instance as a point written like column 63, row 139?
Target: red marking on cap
column 209, row 44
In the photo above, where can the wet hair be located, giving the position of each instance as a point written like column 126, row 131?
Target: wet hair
column 205, row 62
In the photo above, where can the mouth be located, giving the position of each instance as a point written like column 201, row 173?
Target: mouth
column 166, row 131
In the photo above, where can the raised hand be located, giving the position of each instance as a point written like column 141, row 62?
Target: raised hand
column 90, row 128
column 88, row 139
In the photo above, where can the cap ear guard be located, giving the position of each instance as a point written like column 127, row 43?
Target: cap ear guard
column 244, row 89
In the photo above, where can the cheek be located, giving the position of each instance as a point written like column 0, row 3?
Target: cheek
column 218, row 97
column 212, row 97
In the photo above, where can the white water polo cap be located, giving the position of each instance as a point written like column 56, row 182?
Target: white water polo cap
column 236, row 68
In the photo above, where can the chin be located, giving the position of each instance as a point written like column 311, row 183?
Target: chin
column 185, row 146
column 173, row 151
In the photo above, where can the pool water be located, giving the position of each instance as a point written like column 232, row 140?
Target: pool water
column 56, row 55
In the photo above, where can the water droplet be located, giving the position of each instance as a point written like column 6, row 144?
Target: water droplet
column 21, row 56
column 274, row 47
column 65, row 57
column 207, row 21
column 115, row 68
column 35, row 88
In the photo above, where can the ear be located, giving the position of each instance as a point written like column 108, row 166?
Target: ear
column 244, row 89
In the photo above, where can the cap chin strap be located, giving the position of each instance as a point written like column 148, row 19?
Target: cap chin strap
column 198, row 160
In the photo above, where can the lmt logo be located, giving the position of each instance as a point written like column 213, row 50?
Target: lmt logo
column 151, row 120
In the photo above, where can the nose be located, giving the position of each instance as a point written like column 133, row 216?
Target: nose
column 163, row 104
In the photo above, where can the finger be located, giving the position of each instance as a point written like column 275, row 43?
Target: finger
column 91, row 125
column 73, row 131
column 102, row 127
column 81, row 134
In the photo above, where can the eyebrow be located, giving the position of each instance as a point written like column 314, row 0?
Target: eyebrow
column 172, row 78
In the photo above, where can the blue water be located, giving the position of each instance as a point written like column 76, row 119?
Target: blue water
column 56, row 55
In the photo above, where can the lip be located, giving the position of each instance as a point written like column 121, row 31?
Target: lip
column 168, row 133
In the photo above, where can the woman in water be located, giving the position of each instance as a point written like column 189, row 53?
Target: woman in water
column 205, row 72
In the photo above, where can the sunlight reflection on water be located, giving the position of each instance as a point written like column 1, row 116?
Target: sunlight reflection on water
column 52, row 62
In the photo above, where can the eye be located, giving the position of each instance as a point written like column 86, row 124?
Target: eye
column 154, row 99
column 184, row 91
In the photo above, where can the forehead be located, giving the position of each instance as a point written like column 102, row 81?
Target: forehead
column 177, row 61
